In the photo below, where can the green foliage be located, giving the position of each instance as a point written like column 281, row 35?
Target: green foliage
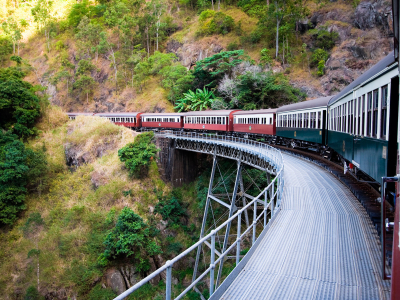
column 258, row 89
column 317, row 56
column 32, row 294
column 34, row 220
column 192, row 101
column 210, row 70
column 323, row 38
column 78, row 11
column 19, row 106
column 41, row 12
column 266, row 57
column 321, row 68
column 131, row 238
column 98, row 293
column 171, row 208
column 177, row 79
column 137, row 155
column 85, row 67
column 5, row 48
column 212, row 22
column 86, row 84
column 232, row 46
column 13, row 177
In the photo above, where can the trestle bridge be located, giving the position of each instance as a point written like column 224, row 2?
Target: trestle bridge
column 307, row 235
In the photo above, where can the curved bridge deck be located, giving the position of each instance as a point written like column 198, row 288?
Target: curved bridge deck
column 322, row 245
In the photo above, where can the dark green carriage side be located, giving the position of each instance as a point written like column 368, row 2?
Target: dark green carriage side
column 368, row 154
column 303, row 134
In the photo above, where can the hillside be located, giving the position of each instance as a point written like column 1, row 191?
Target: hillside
column 94, row 56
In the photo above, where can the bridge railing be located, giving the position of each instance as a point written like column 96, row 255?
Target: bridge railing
column 271, row 154
column 269, row 199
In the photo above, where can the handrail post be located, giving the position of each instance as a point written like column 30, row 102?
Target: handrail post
column 212, row 265
column 254, row 222
column 272, row 196
column 238, row 238
column 168, row 283
column 265, row 207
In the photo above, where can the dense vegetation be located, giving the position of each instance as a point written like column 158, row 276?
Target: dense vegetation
column 80, row 200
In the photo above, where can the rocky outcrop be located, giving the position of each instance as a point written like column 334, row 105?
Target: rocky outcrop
column 115, row 281
column 190, row 53
column 370, row 14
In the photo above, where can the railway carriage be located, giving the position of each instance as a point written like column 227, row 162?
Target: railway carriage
column 127, row 119
column 73, row 115
column 255, row 122
column 303, row 124
column 162, row 120
column 209, row 120
column 362, row 120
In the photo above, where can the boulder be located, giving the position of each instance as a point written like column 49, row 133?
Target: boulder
column 115, row 281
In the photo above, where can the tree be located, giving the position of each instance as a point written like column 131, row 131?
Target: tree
column 177, row 79
column 209, row 71
column 131, row 238
column 19, row 106
column 13, row 177
column 6, row 47
column 137, row 155
column 41, row 13
column 86, row 84
column 14, row 29
column 89, row 35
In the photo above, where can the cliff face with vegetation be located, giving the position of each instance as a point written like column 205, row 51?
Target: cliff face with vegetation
column 83, row 211
column 99, row 56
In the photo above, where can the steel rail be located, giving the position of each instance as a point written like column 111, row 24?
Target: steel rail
column 266, row 152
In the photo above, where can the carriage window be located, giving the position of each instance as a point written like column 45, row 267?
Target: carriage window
column 319, row 120
column 384, row 99
column 369, row 114
column 375, row 114
column 351, row 116
column 306, row 120
column 270, row 120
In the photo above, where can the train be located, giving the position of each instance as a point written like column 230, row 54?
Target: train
column 351, row 127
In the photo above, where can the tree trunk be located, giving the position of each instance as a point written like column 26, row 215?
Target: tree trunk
column 277, row 37
column 148, row 41
column 67, row 87
column 87, row 98
column 13, row 47
column 219, row 4
column 18, row 48
column 212, row 3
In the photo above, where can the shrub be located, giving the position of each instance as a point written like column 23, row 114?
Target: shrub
column 192, row 101
column 232, row 46
column 321, row 68
column 137, row 155
column 32, row 294
column 130, row 238
column 171, row 209
column 323, row 38
column 317, row 56
column 215, row 23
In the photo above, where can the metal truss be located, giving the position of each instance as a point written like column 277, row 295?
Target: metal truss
column 249, row 157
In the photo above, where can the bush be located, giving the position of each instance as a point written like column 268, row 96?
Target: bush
column 32, row 294
column 219, row 24
column 130, row 238
column 323, row 38
column 317, row 56
column 137, row 155
column 171, row 209
column 232, row 46
column 321, row 68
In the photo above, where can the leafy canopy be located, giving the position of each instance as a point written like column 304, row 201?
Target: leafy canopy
column 192, row 101
column 130, row 238
column 137, row 155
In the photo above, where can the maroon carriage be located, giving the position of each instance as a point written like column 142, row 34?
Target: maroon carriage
column 209, row 120
column 260, row 121
column 162, row 120
column 127, row 119
column 73, row 115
